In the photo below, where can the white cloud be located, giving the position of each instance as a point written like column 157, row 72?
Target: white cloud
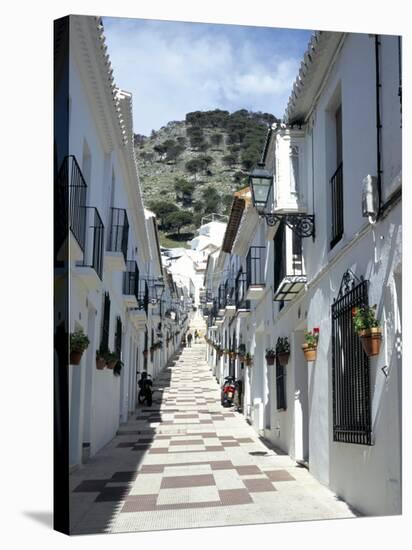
column 175, row 69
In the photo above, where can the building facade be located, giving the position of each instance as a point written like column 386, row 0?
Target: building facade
column 329, row 240
column 118, row 291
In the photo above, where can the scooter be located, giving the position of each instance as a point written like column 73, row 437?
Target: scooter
column 228, row 391
column 145, row 393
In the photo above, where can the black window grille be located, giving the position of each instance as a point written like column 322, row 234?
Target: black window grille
column 336, row 193
column 93, row 255
column 279, row 244
column 255, row 266
column 350, row 367
column 104, row 343
column 280, row 386
column 118, row 338
column 240, row 291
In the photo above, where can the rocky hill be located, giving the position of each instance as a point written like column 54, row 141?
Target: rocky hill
column 195, row 165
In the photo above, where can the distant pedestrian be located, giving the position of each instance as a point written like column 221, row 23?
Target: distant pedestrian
column 189, row 340
column 196, row 336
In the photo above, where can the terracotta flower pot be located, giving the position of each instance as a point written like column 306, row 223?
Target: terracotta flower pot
column 100, row 363
column 283, row 358
column 111, row 364
column 309, row 352
column 371, row 339
column 232, row 355
column 241, row 358
column 270, row 359
column 145, row 353
column 249, row 362
column 75, row 357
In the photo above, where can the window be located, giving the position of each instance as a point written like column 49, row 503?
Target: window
column 280, row 387
column 118, row 338
column 350, row 367
column 104, row 343
column 336, row 183
column 294, row 169
column 279, row 256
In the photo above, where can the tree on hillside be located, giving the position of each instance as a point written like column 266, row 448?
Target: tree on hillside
column 211, row 200
column 230, row 160
column 177, row 220
column 216, row 139
column 184, row 190
column 162, row 209
column 194, row 166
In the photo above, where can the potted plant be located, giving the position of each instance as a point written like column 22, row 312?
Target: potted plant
column 311, row 343
column 118, row 368
column 100, row 359
column 219, row 351
column 111, row 359
column 232, row 354
column 145, row 352
column 226, row 351
column 241, row 350
column 283, row 351
column 270, row 356
column 249, row 359
column 368, row 329
column 78, row 343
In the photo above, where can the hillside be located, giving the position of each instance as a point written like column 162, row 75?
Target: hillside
column 191, row 168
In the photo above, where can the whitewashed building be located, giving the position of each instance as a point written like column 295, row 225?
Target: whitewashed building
column 329, row 239
column 115, row 269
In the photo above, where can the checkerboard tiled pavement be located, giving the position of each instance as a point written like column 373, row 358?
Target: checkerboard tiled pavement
column 188, row 462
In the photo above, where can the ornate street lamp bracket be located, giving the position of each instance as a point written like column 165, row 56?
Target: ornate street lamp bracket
column 301, row 224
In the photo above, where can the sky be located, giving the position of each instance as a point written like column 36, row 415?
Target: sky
column 173, row 68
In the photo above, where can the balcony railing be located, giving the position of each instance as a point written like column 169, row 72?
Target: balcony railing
column 336, row 193
column 222, row 297
column 131, row 279
column 93, row 251
column 255, row 266
column 143, row 295
column 230, row 292
column 119, row 232
column 71, row 193
column 240, row 292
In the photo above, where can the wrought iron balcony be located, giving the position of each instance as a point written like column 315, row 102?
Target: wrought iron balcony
column 242, row 304
column 336, row 194
column 131, row 284
column 94, row 239
column 255, row 272
column 118, row 235
column 143, row 295
column 70, row 202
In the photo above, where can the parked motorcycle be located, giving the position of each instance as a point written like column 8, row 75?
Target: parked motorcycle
column 228, row 391
column 145, row 392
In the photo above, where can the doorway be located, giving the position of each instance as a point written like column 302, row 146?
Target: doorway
column 301, row 401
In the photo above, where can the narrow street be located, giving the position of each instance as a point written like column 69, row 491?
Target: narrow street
column 189, row 462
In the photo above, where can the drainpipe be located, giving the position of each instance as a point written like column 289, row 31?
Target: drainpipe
column 400, row 75
column 378, row 123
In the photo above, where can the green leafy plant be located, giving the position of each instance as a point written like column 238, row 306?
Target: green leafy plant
column 270, row 353
column 241, row 349
column 118, row 368
column 312, row 337
column 282, row 345
column 111, row 356
column 364, row 317
column 78, row 341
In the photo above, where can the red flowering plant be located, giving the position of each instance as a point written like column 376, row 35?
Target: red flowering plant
column 364, row 317
column 312, row 337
